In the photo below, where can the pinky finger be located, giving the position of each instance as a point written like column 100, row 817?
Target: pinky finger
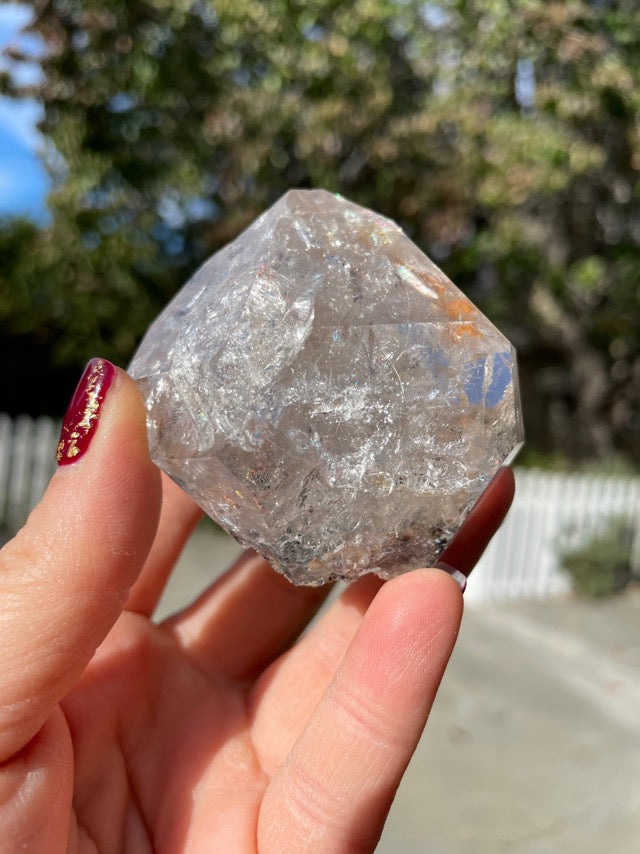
column 335, row 789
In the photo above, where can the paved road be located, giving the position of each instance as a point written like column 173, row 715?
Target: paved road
column 533, row 746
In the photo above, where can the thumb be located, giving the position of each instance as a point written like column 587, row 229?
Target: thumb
column 64, row 578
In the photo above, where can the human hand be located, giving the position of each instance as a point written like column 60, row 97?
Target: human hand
column 217, row 730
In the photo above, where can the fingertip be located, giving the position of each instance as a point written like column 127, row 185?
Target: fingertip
column 431, row 584
column 82, row 416
column 418, row 608
column 112, row 486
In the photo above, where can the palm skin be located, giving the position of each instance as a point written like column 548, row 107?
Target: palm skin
column 222, row 729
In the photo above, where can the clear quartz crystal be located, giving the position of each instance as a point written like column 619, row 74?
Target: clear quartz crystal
column 327, row 395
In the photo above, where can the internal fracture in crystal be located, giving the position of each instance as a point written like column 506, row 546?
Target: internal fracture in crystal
column 327, row 395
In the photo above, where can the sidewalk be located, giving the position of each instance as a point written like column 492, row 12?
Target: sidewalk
column 533, row 746
column 534, row 742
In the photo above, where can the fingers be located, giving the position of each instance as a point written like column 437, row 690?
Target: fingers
column 337, row 784
column 178, row 517
column 65, row 577
column 285, row 696
column 244, row 620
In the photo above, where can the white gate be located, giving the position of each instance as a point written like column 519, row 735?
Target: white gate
column 552, row 511
column 27, row 461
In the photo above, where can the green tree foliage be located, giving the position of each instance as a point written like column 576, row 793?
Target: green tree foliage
column 602, row 565
column 503, row 136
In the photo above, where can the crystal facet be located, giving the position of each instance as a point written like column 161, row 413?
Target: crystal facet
column 327, row 395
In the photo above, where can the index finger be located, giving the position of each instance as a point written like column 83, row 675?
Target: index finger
column 334, row 789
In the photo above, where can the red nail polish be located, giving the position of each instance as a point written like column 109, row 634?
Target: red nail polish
column 81, row 418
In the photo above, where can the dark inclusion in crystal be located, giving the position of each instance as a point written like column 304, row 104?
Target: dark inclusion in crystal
column 327, row 395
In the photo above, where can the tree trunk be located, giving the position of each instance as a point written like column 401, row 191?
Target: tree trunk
column 589, row 376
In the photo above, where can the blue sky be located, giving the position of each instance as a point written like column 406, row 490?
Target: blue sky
column 23, row 180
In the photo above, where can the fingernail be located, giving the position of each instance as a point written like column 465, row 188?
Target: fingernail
column 82, row 415
column 458, row 577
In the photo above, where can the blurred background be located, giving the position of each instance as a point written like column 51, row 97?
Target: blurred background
column 137, row 137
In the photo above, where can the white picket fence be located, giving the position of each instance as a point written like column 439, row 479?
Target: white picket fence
column 27, row 461
column 552, row 511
